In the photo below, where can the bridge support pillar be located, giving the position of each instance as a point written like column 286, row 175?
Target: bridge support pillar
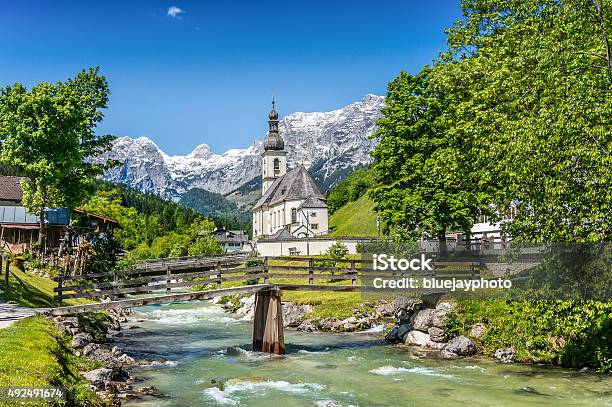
column 268, row 334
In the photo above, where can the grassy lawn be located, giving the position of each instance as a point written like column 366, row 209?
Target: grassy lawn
column 354, row 219
column 30, row 290
column 326, row 303
column 34, row 354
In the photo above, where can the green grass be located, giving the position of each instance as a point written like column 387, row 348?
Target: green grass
column 30, row 290
column 326, row 303
column 354, row 219
column 35, row 354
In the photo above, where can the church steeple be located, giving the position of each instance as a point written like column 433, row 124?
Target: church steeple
column 274, row 155
column 273, row 140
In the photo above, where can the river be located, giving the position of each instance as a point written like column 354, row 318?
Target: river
column 197, row 346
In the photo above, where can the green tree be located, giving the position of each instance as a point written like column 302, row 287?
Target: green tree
column 48, row 133
column 529, row 85
column 425, row 185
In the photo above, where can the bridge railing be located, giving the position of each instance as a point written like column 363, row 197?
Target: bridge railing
column 286, row 272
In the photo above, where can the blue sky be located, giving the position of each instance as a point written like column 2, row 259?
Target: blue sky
column 189, row 72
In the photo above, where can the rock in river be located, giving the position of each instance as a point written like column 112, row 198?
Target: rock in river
column 461, row 345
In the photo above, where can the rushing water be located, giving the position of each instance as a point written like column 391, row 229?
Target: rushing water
column 203, row 358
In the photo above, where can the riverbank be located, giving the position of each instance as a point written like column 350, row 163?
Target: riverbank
column 203, row 357
column 35, row 354
column 576, row 334
column 92, row 337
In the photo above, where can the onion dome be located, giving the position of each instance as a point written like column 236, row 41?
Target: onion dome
column 273, row 140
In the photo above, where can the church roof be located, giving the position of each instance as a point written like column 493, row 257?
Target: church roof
column 295, row 184
column 313, row 202
column 282, row 234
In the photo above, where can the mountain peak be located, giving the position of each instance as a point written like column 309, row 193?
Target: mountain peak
column 329, row 144
column 203, row 152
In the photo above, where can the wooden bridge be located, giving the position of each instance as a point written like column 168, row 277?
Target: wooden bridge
column 152, row 282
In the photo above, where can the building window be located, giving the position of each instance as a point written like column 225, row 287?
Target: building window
column 276, row 167
column 313, row 214
column 293, row 215
column 314, row 226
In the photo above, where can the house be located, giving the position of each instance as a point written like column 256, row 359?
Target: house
column 291, row 202
column 19, row 229
column 232, row 240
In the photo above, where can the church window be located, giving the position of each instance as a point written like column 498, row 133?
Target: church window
column 293, row 215
column 276, row 167
column 314, row 226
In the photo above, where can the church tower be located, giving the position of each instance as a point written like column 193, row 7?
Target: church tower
column 274, row 155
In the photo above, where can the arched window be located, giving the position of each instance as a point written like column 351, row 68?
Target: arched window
column 276, row 167
column 293, row 215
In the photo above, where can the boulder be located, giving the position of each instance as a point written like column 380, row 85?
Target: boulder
column 330, row 324
column 505, row 355
column 81, row 340
column 100, row 378
column 393, row 335
column 307, row 326
column 437, row 334
column 423, row 320
column 431, row 299
column 63, row 328
column 385, row 310
column 293, row 314
column 409, row 304
column 440, row 312
column 106, row 358
column 405, row 309
column 402, row 330
column 461, row 345
column 419, row 338
column 89, row 349
column 477, row 330
column 128, row 360
column 247, row 308
column 445, row 354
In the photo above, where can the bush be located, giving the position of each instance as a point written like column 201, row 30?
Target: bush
column 566, row 332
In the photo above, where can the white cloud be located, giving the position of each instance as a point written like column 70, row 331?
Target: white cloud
column 175, row 12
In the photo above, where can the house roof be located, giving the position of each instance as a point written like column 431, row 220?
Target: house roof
column 18, row 215
column 10, row 189
column 295, row 184
column 96, row 216
column 227, row 236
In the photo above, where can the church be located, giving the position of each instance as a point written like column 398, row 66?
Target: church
column 291, row 205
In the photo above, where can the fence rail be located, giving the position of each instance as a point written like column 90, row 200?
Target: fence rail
column 185, row 273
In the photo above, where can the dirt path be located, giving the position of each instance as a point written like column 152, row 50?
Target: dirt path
column 10, row 313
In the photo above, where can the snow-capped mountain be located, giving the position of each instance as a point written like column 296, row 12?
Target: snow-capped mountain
column 330, row 144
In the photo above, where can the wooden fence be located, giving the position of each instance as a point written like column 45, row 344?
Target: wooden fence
column 166, row 275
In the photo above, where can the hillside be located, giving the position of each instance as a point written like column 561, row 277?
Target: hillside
column 354, row 219
column 213, row 205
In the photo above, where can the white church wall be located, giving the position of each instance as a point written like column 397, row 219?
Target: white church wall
column 304, row 247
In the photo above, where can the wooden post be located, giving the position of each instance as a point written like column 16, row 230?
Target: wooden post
column 59, row 291
column 6, row 272
column 168, row 274
column 113, row 297
column 268, row 333
column 1, row 267
column 310, row 272
column 265, row 270
column 354, row 273
column 219, row 273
